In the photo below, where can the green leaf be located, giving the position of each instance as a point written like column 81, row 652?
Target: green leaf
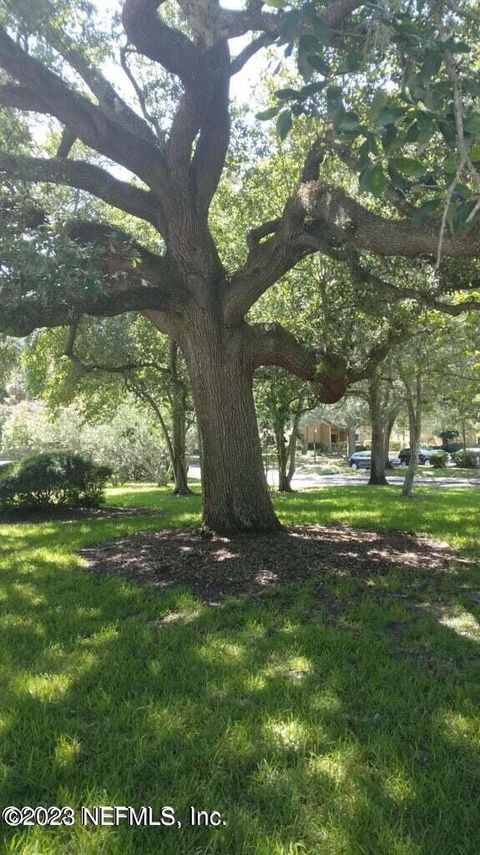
column 312, row 88
column 431, row 65
column 461, row 214
column 267, row 114
column 408, row 166
column 379, row 103
column 318, row 63
column 289, row 25
column 390, row 114
column 277, row 4
column 472, row 124
column 347, row 120
column 284, row 94
column 373, row 180
column 456, row 47
column 447, row 129
column 475, row 154
column 426, row 211
column 322, row 30
column 284, row 124
column 308, row 43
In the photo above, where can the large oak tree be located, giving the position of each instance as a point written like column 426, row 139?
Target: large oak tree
column 184, row 287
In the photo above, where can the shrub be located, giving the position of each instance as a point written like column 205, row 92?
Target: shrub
column 438, row 459
column 467, row 459
column 53, row 479
column 452, row 447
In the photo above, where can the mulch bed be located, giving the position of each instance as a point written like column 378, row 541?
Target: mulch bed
column 218, row 567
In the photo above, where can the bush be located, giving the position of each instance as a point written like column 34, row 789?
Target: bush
column 53, row 479
column 452, row 447
column 438, row 459
column 467, row 459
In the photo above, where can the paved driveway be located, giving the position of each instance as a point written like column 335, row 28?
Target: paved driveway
column 304, row 479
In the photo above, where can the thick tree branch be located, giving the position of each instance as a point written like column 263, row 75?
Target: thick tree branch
column 129, row 278
column 87, row 121
column 108, row 98
column 159, row 42
column 250, row 50
column 355, row 225
column 272, row 344
column 253, row 19
column 84, row 176
column 67, row 142
column 211, row 150
column 329, row 373
column 271, row 259
column 22, row 98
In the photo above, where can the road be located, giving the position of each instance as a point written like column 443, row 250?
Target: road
column 304, row 479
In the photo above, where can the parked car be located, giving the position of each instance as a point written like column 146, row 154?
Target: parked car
column 424, row 454
column 360, row 460
column 363, row 460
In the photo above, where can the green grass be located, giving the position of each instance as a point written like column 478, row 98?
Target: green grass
column 310, row 733
column 449, row 472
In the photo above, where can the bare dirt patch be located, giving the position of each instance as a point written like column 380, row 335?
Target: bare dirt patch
column 218, row 567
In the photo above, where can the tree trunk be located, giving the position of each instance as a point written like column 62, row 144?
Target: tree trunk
column 388, row 428
column 414, row 404
column 292, row 445
column 179, row 451
column 377, row 467
column 234, row 486
column 179, row 426
column 282, row 461
column 351, row 443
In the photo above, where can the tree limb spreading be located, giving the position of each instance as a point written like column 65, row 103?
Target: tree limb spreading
column 84, row 176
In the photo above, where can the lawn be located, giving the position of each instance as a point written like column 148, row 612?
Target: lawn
column 352, row 731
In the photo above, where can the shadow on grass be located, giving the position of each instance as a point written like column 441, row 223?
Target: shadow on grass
column 358, row 734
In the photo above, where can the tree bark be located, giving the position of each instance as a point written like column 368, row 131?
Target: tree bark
column 292, row 445
column 179, row 425
column 414, row 406
column 377, row 467
column 234, row 486
column 351, row 443
column 282, row 460
column 388, row 428
column 179, row 446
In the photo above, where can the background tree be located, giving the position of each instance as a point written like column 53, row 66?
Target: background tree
column 98, row 362
column 281, row 401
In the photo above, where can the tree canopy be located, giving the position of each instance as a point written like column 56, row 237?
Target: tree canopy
column 388, row 97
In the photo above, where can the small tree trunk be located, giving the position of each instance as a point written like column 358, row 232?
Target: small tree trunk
column 179, row 426
column 388, row 428
column 377, row 468
column 414, row 406
column 292, row 445
column 179, row 451
column 282, row 461
column 234, row 486
column 351, row 443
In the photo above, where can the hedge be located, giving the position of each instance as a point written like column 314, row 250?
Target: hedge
column 53, row 479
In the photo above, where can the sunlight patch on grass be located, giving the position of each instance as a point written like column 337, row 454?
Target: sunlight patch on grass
column 291, row 735
column 461, row 729
column 44, row 687
column 460, row 621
